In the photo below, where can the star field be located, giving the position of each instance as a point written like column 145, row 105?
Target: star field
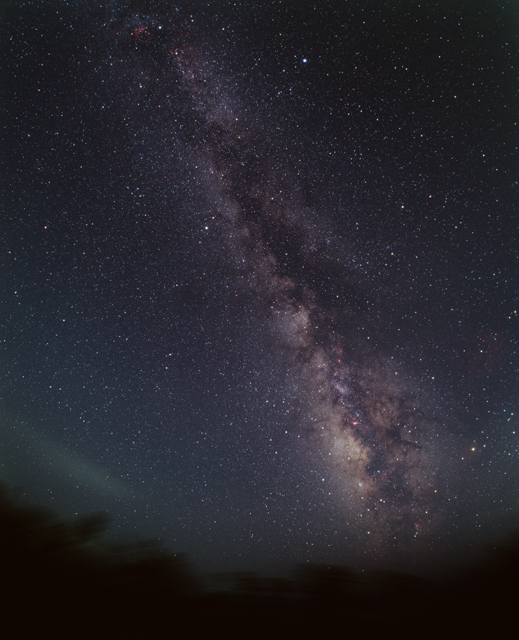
column 259, row 275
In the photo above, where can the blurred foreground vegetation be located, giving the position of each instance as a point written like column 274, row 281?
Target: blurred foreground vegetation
column 58, row 580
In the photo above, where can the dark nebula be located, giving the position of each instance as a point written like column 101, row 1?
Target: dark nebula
column 260, row 274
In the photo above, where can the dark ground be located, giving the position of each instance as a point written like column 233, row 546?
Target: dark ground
column 58, row 580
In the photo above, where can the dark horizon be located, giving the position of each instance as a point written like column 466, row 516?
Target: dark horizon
column 60, row 575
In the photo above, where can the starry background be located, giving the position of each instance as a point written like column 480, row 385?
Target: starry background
column 259, row 276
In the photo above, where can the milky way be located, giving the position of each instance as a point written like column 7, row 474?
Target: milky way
column 261, row 277
column 358, row 406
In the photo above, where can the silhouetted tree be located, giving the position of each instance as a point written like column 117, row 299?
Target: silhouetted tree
column 52, row 575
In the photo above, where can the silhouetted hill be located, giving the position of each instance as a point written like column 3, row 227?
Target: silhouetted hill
column 58, row 581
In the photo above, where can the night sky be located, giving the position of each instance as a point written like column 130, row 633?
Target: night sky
column 259, row 275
